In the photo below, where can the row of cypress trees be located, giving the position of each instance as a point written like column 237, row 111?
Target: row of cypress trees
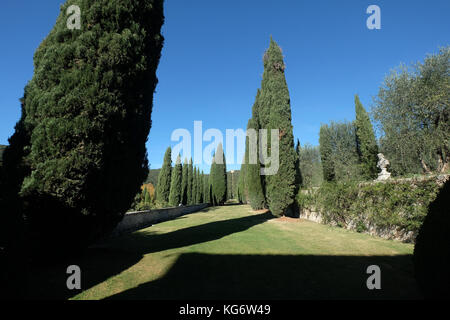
column 366, row 146
column 182, row 184
column 271, row 110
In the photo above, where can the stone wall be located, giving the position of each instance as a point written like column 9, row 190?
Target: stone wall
column 133, row 221
column 392, row 233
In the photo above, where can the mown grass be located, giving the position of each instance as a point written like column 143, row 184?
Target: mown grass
column 231, row 252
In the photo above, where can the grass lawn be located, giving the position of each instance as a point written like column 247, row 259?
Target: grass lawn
column 231, row 252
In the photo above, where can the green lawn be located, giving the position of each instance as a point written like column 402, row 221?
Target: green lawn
column 231, row 252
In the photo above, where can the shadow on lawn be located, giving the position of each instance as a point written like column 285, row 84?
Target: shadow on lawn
column 204, row 276
column 98, row 263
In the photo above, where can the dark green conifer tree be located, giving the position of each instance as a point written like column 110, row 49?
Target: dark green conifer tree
column 207, row 189
column 219, row 177
column 202, row 187
column 253, row 170
column 175, row 184
column 164, row 180
column 190, row 183
column 365, row 142
column 78, row 155
column 199, row 187
column 275, row 113
column 242, row 180
column 195, row 187
column 298, row 172
column 184, row 183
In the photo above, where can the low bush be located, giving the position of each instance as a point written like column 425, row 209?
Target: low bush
column 382, row 205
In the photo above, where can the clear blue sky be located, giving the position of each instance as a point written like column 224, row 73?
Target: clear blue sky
column 211, row 64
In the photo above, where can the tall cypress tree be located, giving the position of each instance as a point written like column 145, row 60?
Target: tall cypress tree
column 242, row 181
column 195, row 187
column 184, row 182
column 202, row 187
column 79, row 148
column 164, row 179
column 365, row 142
column 326, row 153
column 175, row 184
column 199, row 187
column 298, row 172
column 207, row 189
column 219, row 177
column 253, row 171
column 190, row 183
column 275, row 113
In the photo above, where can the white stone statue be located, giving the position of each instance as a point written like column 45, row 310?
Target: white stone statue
column 382, row 165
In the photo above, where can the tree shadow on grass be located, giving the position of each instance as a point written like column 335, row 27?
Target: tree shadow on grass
column 275, row 277
column 100, row 262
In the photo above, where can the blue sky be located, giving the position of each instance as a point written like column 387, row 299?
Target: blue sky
column 211, row 64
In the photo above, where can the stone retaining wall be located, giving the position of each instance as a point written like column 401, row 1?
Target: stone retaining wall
column 393, row 233
column 133, row 221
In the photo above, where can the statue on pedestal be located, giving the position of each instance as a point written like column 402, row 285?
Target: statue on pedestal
column 382, row 165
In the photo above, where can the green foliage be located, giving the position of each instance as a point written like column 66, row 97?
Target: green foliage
column 384, row 205
column 310, row 166
column 190, row 184
column 339, row 152
column 432, row 249
column 242, row 189
column 184, row 182
column 412, row 113
column 152, row 176
column 274, row 112
column 164, row 179
column 207, row 189
column 326, row 153
column 78, row 154
column 219, row 177
column 175, row 185
column 366, row 144
column 254, row 184
column 202, row 188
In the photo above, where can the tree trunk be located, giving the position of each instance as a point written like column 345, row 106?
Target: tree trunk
column 425, row 167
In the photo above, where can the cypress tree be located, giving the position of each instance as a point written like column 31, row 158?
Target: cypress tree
column 164, row 179
column 190, row 183
column 79, row 148
column 195, row 187
column 253, row 171
column 275, row 113
column 199, row 187
column 211, row 182
column 206, row 189
column 175, row 184
column 147, row 199
column 365, row 142
column 219, row 177
column 298, row 172
column 242, row 182
column 326, row 153
column 184, row 183
column 202, row 187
